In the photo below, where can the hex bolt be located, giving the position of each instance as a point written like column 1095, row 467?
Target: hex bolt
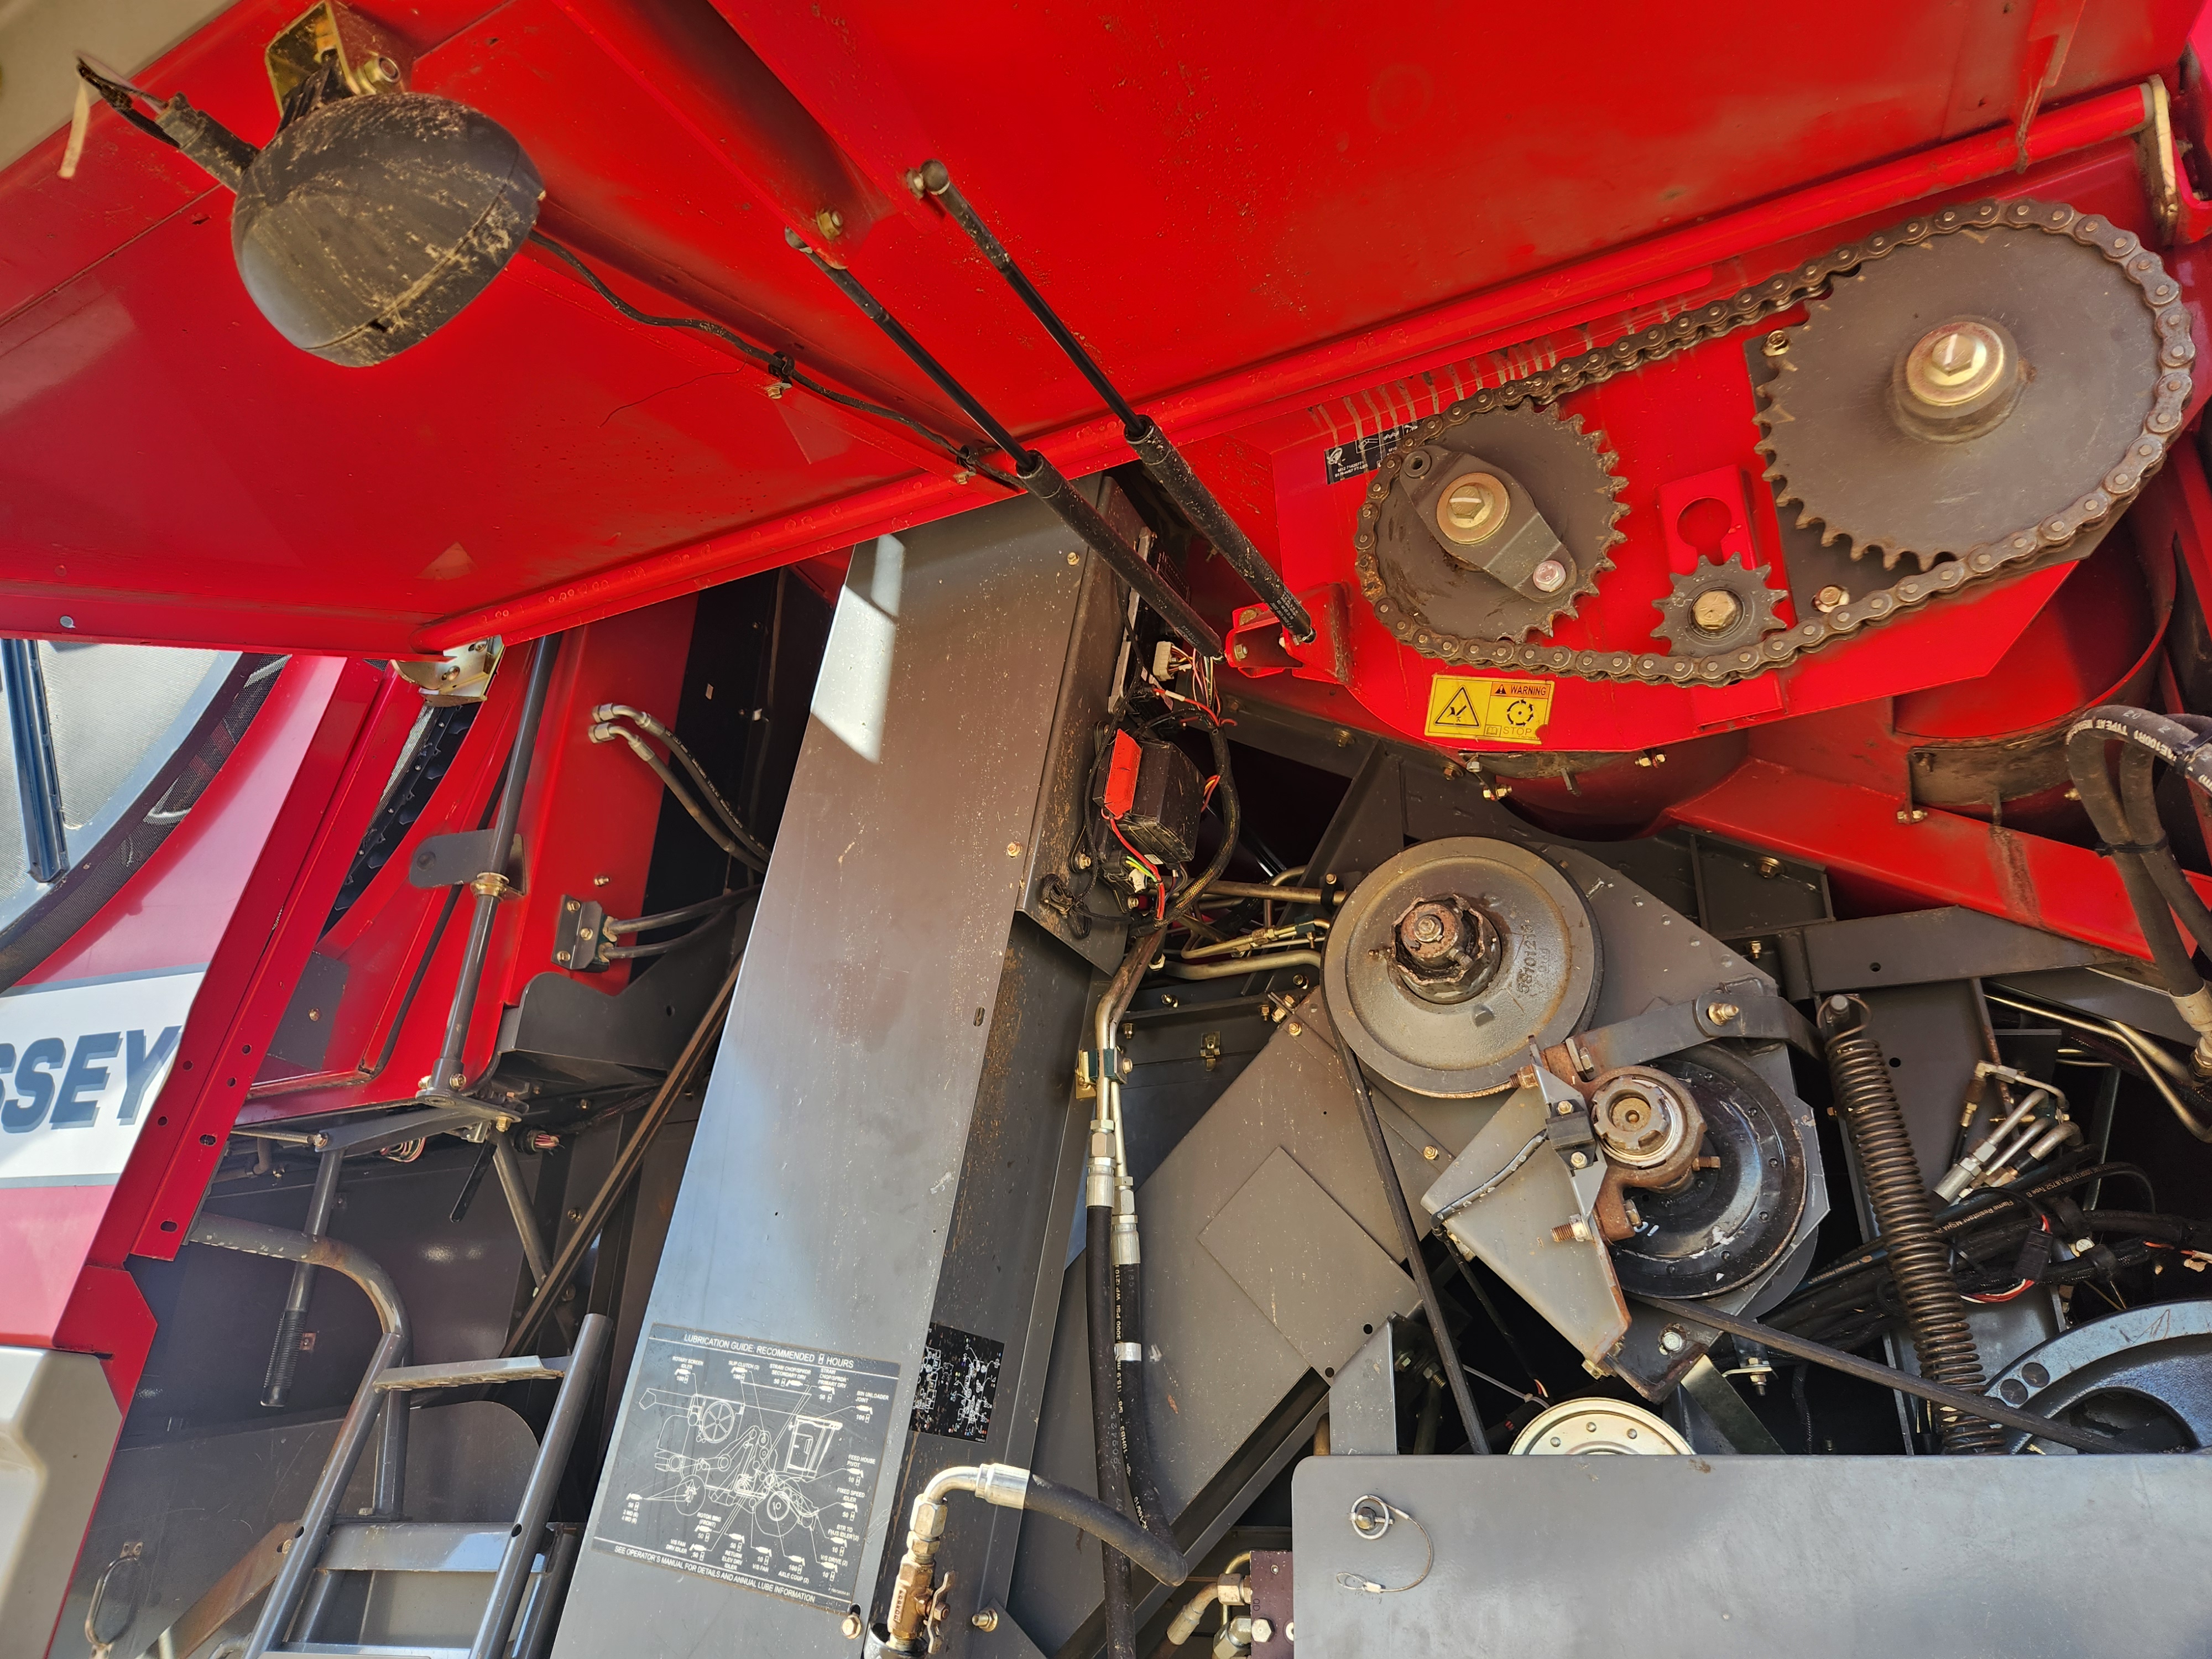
column 1549, row 577
column 851, row 1625
column 1831, row 597
column 1473, row 509
column 1774, row 343
column 987, row 1620
column 1716, row 611
column 1671, row 1340
column 1722, row 1013
column 1955, row 363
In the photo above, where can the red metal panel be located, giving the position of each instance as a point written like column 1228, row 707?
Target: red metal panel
column 215, row 892
column 1240, row 211
column 1855, row 832
column 587, row 826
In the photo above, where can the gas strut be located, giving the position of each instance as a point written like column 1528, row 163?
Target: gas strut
column 1161, row 457
column 1032, row 471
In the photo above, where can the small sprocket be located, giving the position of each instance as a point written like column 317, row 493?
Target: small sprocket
column 1717, row 605
column 1491, row 529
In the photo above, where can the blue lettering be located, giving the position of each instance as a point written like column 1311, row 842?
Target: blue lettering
column 140, row 1065
column 37, row 1082
column 8, row 1107
column 78, row 1103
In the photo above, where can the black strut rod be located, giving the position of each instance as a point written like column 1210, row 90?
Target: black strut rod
column 1160, row 456
column 1032, row 469
column 1936, row 1394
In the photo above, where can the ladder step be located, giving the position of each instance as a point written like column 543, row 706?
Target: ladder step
column 404, row 1651
column 461, row 1373
column 416, row 1546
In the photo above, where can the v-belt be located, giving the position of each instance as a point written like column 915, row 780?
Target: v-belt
column 2003, row 554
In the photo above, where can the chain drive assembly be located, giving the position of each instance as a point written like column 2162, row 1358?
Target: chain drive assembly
column 2000, row 554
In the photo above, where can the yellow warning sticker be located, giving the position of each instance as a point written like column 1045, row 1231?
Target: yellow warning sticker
column 1471, row 710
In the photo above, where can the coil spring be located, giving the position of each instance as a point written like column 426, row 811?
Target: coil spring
column 1906, row 1218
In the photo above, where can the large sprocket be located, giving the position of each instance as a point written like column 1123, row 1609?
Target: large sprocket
column 1432, row 594
column 1870, row 460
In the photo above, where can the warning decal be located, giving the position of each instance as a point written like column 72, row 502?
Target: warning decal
column 1466, row 710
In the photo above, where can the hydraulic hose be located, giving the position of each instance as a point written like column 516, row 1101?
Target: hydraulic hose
column 908, row 1625
column 1106, row 1434
column 1904, row 1215
column 2143, row 864
column 2140, row 806
column 1106, row 1191
column 1136, row 1424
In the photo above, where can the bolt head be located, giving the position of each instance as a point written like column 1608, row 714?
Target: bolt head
column 1722, row 1012
column 1549, row 577
column 1774, row 343
column 852, row 1626
column 1955, row 362
column 1716, row 611
column 1472, row 509
column 1672, row 1341
column 1831, row 597
column 1432, row 1153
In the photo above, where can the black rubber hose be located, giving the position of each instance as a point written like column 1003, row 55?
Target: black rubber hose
column 1409, row 1239
column 2140, row 805
column 1121, row 1535
column 1106, row 1427
column 2086, row 741
column 1136, row 1425
column 1232, row 825
column 1904, row 1214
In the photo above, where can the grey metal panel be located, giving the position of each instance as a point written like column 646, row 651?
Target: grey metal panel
column 822, row 1178
column 1753, row 1558
column 1305, row 1263
column 1019, row 1187
column 1362, row 1401
column 1920, row 946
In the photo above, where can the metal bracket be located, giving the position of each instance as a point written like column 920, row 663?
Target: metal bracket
column 1747, row 1008
column 580, row 935
column 457, row 859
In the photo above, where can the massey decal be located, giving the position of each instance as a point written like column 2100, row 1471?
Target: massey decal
column 81, row 1062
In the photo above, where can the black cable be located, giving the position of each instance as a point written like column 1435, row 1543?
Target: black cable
column 1232, row 825
column 121, row 99
column 1496, row 1320
column 1410, row 1240
column 780, row 364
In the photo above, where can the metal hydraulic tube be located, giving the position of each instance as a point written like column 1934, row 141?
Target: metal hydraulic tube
column 492, row 886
